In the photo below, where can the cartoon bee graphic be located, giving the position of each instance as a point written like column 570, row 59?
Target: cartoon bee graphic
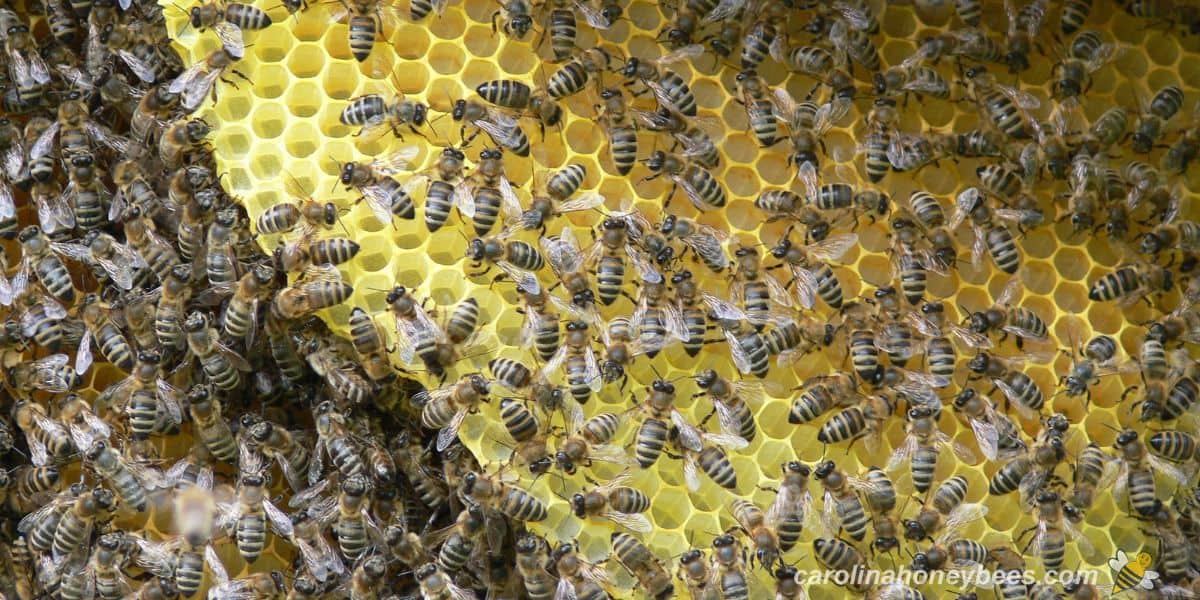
column 1129, row 574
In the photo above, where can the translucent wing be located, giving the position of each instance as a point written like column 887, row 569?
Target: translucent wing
column 806, row 287
column 280, row 521
column 643, row 265
column 585, row 201
column 379, row 199
column 44, row 144
column 632, row 521
column 231, row 38
column 686, row 53
column 524, row 279
column 215, row 566
column 902, row 453
column 170, row 397
column 740, row 358
column 689, row 436
column 449, row 434
column 834, row 246
column 83, row 356
column 594, row 17
column 396, row 162
column 508, row 135
column 723, row 309
column 987, row 437
column 691, row 476
column 964, row 204
column 139, row 68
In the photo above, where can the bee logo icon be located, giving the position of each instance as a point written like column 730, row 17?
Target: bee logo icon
column 1130, row 574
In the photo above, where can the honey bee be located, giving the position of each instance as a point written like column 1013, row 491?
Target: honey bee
column 219, row 363
column 1136, row 469
column 838, row 555
column 573, row 75
column 503, row 496
column 197, row 81
column 669, row 89
column 842, row 504
column 504, row 129
column 702, row 189
column 705, row 241
column 445, row 408
column 1054, row 532
column 1005, row 107
column 616, row 502
column 995, row 434
column 1018, row 321
column 636, row 558
column 554, row 197
column 320, row 287
column 386, row 197
column 1131, row 282
column 944, row 513
column 855, row 44
column 569, row 263
column 922, row 446
column 810, row 270
column 518, row 260
column 130, row 479
column 807, row 125
column 51, row 374
column 373, row 112
column 1150, row 123
column 1027, row 473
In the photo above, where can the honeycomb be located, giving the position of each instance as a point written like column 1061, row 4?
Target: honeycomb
column 286, row 124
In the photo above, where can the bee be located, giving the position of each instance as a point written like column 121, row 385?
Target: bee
column 504, row 129
column 1097, row 359
column 111, row 341
column 51, row 374
column 1173, row 445
column 701, row 451
column 445, row 408
column 694, row 571
column 373, row 112
column 538, row 103
column 588, row 441
column 996, row 435
column 842, row 503
column 1024, row 26
column 838, row 555
column 39, row 258
column 39, row 527
column 700, row 187
column 1005, row 107
column 85, row 194
column 747, row 348
column 1018, row 388
column 568, row 263
column 518, row 260
column 636, row 558
column 240, row 319
column 386, row 197
column 944, row 513
column 855, row 45
column 369, row 344
column 1027, row 473
column 573, row 75
column 48, row 441
column 862, row 421
column 1130, row 283
column 131, row 480
column 1053, row 532
column 1094, row 470
column 24, row 61
column 255, row 585
column 807, row 126
column 513, row 502
column 320, row 287
column 960, row 553
column 1135, row 476
column 180, row 139
column 731, row 403
column 219, row 363
column 811, row 274
column 705, row 241
column 616, row 502
column 1074, row 72
column 210, row 425
column 1149, row 127
column 1185, row 149
column 437, row 585
column 75, row 527
column 669, row 89
column 910, row 76
column 553, row 199
column 197, row 81
column 922, row 445
column 1018, row 321
column 151, row 403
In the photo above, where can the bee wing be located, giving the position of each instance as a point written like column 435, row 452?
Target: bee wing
column 740, row 358
column 829, row 114
column 556, row 360
column 806, row 287
column 507, row 134
column 585, row 201
column 834, row 246
column 683, row 54
column 510, row 204
column 1014, row 398
column 902, row 453
column 723, row 309
column 156, row 557
column 13, row 160
column 777, row 292
column 978, row 247
column 691, row 476
column 29, row 521
column 725, row 9
column 643, row 264
column 808, row 176
column 565, row 590
column 449, row 434
column 591, row 370
column 709, row 247
column 563, row 252
column 194, row 94
column 690, row 437
column 986, row 436
column 279, row 521
column 121, row 274
column 970, row 338
column 231, row 38
column 675, row 325
column 83, row 356
column 725, row 440
column 594, row 17
column 857, row 17
column 139, row 68
column 964, row 203
column 524, row 279
column 631, row 521
column 38, row 69
column 379, row 200
column 396, row 162
column 1082, row 543
column 1169, row 469
column 661, row 94
column 215, row 566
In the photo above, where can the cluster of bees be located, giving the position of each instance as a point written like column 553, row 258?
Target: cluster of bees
column 121, row 240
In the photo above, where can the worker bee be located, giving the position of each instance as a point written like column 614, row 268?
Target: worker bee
column 344, row 381
column 701, row 188
column 111, row 341
column 1006, row 374
column 962, row 553
column 130, row 479
column 636, row 558
column 1097, row 358
column 320, row 286
column 373, row 112
column 576, row 357
column 616, row 502
column 552, row 197
column 197, row 81
column 1006, row 107
column 1018, row 321
column 1130, row 283
column 1029, row 472
column 807, row 126
column 51, row 374
column 1094, row 471
column 923, row 443
column 945, row 512
column 702, row 451
column 571, row 78
column 697, row 143
column 518, row 260
column 39, row 259
column 220, row 363
column 1136, row 469
column 671, row 91
column 731, row 403
column 705, row 241
column 838, row 555
column 1185, row 149
column 504, row 496
column 842, row 504
column 1074, row 72
column 445, row 408
column 855, row 44
column 569, row 263
column 504, row 129
column 811, row 273
column 995, row 434
column 386, row 197
column 1054, row 532
column 1152, row 120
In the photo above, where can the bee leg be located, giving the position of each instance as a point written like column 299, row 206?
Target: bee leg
column 1130, row 389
